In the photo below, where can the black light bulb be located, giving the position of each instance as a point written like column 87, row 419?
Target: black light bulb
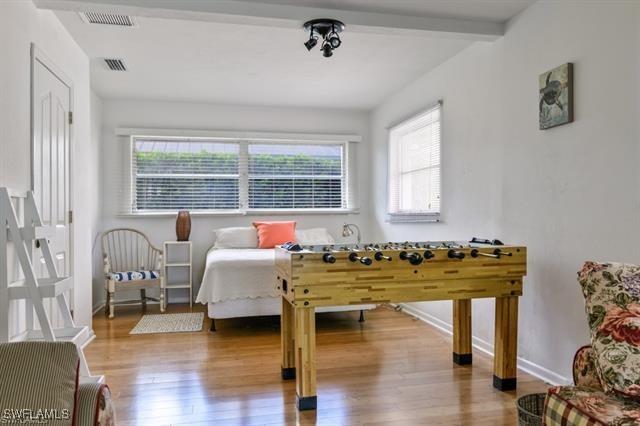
column 327, row 50
column 334, row 41
column 311, row 43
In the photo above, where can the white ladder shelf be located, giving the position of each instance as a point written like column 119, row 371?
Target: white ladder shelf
column 33, row 289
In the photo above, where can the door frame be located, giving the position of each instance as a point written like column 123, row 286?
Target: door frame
column 37, row 55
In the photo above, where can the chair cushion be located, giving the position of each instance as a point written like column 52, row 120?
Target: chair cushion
column 612, row 299
column 576, row 405
column 134, row 276
column 38, row 376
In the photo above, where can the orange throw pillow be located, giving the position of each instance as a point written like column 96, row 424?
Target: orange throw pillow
column 271, row 234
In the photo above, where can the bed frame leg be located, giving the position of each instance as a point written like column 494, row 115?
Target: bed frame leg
column 213, row 325
column 361, row 319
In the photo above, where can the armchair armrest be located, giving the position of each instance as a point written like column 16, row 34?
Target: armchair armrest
column 95, row 406
column 159, row 254
column 584, row 368
column 106, row 266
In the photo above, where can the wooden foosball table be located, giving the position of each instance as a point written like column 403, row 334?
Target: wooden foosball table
column 313, row 276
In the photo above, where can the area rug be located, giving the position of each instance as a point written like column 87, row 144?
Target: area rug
column 169, row 323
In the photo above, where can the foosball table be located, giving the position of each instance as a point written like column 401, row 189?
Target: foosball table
column 341, row 274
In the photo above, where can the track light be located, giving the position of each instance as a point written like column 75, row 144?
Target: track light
column 327, row 50
column 311, row 43
column 334, row 40
column 329, row 30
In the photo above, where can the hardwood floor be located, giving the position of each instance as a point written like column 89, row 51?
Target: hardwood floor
column 390, row 370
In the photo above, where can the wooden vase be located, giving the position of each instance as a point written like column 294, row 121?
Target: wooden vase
column 183, row 225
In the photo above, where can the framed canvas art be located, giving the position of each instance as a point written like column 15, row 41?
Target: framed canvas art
column 556, row 96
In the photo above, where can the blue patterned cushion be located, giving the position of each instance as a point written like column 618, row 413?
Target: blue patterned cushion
column 134, row 276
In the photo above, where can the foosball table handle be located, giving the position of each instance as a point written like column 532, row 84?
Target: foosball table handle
column 328, row 258
column 454, row 254
column 362, row 259
column 381, row 256
column 501, row 253
column 413, row 258
column 476, row 253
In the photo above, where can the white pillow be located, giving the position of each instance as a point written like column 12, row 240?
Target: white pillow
column 314, row 236
column 238, row 237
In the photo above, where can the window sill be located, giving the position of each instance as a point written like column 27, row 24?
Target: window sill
column 413, row 218
column 290, row 212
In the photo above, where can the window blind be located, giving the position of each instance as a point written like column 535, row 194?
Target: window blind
column 296, row 176
column 170, row 175
column 198, row 174
column 414, row 165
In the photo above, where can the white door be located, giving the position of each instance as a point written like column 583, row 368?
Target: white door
column 50, row 166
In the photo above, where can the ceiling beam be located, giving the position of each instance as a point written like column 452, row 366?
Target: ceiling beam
column 267, row 14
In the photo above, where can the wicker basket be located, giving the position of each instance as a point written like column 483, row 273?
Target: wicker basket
column 530, row 408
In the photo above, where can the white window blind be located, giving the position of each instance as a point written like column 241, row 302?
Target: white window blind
column 183, row 174
column 207, row 175
column 414, row 167
column 296, row 176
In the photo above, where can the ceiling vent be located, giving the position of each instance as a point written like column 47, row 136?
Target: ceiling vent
column 108, row 19
column 115, row 64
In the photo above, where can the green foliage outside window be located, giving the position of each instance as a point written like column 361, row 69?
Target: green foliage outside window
column 281, row 189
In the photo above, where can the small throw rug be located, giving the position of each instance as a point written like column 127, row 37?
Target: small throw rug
column 169, row 323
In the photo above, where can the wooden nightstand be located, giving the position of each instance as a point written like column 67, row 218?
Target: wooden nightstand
column 178, row 269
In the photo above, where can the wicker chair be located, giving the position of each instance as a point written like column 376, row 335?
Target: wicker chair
column 131, row 262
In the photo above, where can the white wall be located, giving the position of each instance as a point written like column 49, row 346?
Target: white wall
column 96, row 199
column 20, row 25
column 170, row 115
column 569, row 193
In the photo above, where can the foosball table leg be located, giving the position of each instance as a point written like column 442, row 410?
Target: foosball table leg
column 462, row 353
column 506, row 343
column 287, row 340
column 305, row 354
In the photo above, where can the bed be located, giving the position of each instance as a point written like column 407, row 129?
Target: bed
column 240, row 281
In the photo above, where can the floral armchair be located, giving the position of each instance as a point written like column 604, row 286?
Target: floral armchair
column 586, row 403
column 606, row 374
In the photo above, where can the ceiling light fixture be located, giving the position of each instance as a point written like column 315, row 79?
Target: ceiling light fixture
column 329, row 30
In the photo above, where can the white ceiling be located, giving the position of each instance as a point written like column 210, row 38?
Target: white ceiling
column 486, row 10
column 230, row 63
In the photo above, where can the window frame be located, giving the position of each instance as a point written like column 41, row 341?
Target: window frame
column 344, row 141
column 413, row 217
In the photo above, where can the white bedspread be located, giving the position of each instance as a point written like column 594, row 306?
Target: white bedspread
column 232, row 274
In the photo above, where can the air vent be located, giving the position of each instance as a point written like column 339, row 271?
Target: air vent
column 108, row 19
column 115, row 64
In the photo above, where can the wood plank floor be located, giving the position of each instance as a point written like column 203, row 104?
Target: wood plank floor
column 390, row 370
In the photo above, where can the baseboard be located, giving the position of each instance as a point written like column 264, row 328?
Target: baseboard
column 90, row 338
column 184, row 299
column 525, row 365
column 98, row 307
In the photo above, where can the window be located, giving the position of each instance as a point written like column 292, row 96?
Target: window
column 173, row 175
column 209, row 175
column 414, row 168
column 296, row 176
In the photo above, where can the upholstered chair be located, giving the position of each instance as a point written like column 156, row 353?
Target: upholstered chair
column 606, row 374
column 131, row 262
column 41, row 379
